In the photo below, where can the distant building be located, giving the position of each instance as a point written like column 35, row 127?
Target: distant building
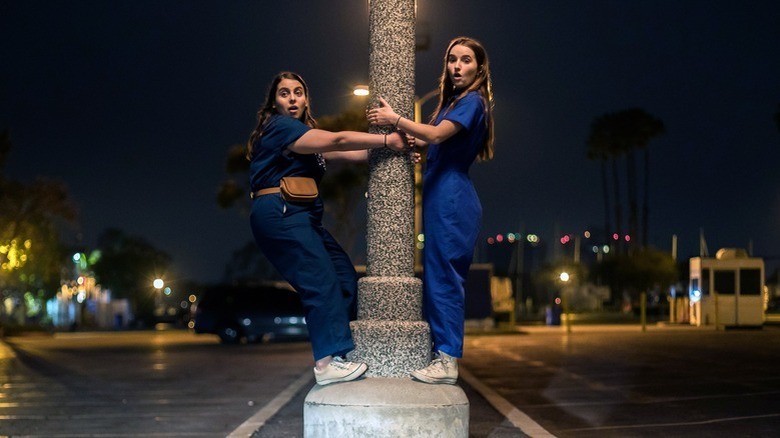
column 727, row 290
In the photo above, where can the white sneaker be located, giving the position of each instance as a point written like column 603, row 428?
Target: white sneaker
column 441, row 370
column 339, row 370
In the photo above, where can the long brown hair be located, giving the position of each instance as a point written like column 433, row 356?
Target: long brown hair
column 482, row 84
column 269, row 108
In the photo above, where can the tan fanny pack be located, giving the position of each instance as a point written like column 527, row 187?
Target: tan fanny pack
column 298, row 189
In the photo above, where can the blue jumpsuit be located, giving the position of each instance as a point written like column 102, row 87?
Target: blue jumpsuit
column 452, row 216
column 293, row 239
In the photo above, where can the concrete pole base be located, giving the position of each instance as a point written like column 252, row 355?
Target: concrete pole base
column 384, row 407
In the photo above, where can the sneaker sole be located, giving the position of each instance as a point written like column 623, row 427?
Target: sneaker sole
column 425, row 379
column 359, row 371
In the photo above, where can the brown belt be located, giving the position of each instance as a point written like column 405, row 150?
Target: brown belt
column 262, row 192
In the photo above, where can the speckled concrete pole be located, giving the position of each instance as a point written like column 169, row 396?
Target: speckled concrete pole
column 390, row 227
column 389, row 335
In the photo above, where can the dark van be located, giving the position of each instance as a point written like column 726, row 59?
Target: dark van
column 259, row 313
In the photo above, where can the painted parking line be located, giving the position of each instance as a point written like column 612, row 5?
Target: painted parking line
column 515, row 416
column 255, row 422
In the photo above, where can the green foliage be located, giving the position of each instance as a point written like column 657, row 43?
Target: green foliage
column 31, row 213
column 639, row 271
column 128, row 265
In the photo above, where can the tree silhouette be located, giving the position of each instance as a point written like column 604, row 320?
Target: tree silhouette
column 644, row 270
column 342, row 189
column 344, row 186
column 127, row 265
column 603, row 144
column 5, row 149
column 234, row 190
column 597, row 151
column 622, row 133
column 777, row 118
column 31, row 215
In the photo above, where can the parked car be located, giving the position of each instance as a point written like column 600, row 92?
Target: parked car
column 259, row 313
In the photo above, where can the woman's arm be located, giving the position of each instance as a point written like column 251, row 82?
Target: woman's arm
column 384, row 115
column 320, row 141
column 361, row 156
column 346, row 155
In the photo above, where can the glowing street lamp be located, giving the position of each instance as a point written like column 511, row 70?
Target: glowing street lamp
column 565, row 277
column 158, row 284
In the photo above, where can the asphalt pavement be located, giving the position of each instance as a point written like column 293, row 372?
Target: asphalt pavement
column 623, row 370
column 484, row 419
column 616, row 381
column 490, row 415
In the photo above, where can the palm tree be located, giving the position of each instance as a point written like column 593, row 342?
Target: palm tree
column 614, row 152
column 777, row 118
column 5, row 148
column 620, row 133
column 648, row 127
column 597, row 151
column 603, row 143
column 638, row 128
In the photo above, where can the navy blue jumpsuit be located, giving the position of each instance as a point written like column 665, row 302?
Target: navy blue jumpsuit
column 452, row 216
column 293, row 239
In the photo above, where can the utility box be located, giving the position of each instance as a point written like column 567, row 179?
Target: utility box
column 727, row 290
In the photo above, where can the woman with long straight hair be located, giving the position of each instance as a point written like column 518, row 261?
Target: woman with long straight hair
column 460, row 132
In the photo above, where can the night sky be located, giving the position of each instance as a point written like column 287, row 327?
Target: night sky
column 134, row 104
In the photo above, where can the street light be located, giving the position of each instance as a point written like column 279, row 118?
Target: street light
column 565, row 277
column 158, row 284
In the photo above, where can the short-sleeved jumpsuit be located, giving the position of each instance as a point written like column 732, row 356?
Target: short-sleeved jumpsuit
column 292, row 237
column 452, row 216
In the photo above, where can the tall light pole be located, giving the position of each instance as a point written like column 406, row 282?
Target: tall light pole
column 419, row 238
column 565, row 278
column 389, row 334
column 158, row 285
